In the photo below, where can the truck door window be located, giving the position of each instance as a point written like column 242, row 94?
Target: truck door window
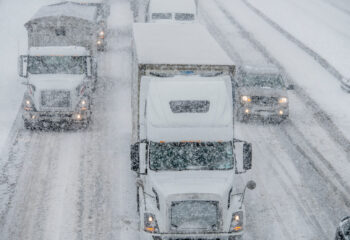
column 161, row 16
column 191, row 156
column 184, row 16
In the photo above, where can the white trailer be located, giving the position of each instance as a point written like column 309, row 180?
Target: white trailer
column 165, row 11
column 65, row 24
column 183, row 149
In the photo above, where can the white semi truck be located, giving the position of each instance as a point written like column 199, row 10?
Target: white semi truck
column 60, row 69
column 183, row 147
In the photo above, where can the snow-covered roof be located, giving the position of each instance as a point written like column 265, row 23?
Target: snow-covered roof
column 67, row 9
column 214, row 123
column 263, row 69
column 177, row 44
column 58, row 51
column 172, row 6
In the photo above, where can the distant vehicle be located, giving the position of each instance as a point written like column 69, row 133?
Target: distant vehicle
column 59, row 69
column 261, row 93
column 180, row 11
column 345, row 84
column 103, row 12
column 343, row 230
column 183, row 148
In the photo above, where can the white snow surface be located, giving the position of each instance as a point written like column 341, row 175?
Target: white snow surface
column 67, row 9
column 177, row 44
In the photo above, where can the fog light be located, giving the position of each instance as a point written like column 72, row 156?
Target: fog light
column 281, row 112
column 78, row 116
column 246, row 111
column 99, row 42
column 33, row 116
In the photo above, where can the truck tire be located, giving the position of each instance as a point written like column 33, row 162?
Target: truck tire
column 28, row 125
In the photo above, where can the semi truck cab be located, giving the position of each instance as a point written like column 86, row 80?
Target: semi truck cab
column 59, row 83
column 188, row 170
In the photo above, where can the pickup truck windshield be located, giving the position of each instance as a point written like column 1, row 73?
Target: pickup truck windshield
column 191, row 156
column 56, row 65
column 261, row 80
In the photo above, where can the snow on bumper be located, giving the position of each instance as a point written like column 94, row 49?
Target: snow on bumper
column 269, row 111
column 35, row 117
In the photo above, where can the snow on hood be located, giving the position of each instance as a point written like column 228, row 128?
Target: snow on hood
column 261, row 91
column 174, row 184
column 56, row 81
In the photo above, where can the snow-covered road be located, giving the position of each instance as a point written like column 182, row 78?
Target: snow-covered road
column 78, row 185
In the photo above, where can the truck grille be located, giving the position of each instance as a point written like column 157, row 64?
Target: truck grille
column 55, row 99
column 264, row 101
column 194, row 216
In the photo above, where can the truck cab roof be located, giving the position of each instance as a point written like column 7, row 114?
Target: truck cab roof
column 189, row 108
column 58, row 51
column 172, row 6
column 67, row 9
column 187, row 44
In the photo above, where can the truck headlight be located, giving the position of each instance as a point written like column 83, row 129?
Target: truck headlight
column 283, row 100
column 99, row 42
column 150, row 223
column 28, row 104
column 246, row 99
column 237, row 222
column 101, row 34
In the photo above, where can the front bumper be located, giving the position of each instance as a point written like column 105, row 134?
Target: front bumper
column 189, row 236
column 280, row 111
column 35, row 117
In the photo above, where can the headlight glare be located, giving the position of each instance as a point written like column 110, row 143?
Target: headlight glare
column 28, row 104
column 237, row 222
column 246, row 99
column 283, row 100
column 150, row 223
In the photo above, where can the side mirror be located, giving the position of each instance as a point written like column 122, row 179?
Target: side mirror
column 247, row 156
column 23, row 66
column 134, row 156
column 89, row 66
column 290, row 87
column 251, row 185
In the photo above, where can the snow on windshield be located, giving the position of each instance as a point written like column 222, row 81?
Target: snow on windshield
column 191, row 155
column 56, row 65
column 261, row 80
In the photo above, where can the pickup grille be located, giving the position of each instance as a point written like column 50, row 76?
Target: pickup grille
column 55, row 99
column 264, row 101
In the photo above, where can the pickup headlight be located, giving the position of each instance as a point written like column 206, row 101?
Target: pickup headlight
column 245, row 99
column 28, row 104
column 237, row 222
column 150, row 223
column 283, row 100
column 83, row 104
column 101, row 34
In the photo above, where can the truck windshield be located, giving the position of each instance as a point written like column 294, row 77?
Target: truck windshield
column 161, row 16
column 184, row 16
column 56, row 65
column 262, row 80
column 191, row 156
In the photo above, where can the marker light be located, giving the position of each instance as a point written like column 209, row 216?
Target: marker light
column 237, row 222
column 101, row 34
column 283, row 100
column 150, row 223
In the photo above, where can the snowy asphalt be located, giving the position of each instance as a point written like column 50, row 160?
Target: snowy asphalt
column 78, row 185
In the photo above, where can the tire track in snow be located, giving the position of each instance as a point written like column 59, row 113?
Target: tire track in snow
column 322, row 61
column 322, row 117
